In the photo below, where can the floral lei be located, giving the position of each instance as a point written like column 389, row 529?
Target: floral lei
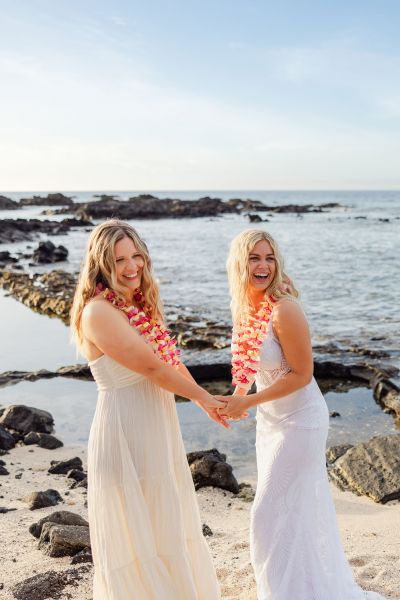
column 247, row 340
column 155, row 334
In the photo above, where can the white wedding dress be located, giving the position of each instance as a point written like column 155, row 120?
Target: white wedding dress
column 145, row 528
column 296, row 549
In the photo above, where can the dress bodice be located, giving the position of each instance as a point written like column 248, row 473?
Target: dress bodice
column 109, row 374
column 273, row 363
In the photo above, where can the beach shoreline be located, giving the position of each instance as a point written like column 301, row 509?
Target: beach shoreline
column 370, row 532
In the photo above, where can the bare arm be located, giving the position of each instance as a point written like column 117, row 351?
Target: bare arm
column 108, row 329
column 292, row 331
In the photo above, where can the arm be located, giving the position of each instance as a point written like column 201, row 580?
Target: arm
column 108, row 329
column 292, row 331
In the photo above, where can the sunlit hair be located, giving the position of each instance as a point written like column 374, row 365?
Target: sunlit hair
column 238, row 273
column 99, row 266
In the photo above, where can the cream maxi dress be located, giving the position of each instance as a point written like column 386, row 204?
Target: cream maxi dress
column 296, row 550
column 145, row 528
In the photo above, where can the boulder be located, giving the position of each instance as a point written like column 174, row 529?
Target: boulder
column 25, row 419
column 3, row 470
column 37, row 500
column 26, row 230
column 209, row 468
column 62, row 467
column 8, row 204
column 371, row 468
column 335, row 452
column 7, row 441
column 43, row 440
column 63, row 540
column 47, row 252
column 60, row 517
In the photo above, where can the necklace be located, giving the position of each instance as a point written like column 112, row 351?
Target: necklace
column 247, row 340
column 156, row 335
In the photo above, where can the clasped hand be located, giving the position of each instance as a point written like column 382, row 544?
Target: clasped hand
column 235, row 407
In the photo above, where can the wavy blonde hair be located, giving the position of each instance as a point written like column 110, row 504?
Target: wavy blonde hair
column 238, row 273
column 99, row 267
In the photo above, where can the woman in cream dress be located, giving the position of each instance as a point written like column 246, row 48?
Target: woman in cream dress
column 295, row 546
column 145, row 528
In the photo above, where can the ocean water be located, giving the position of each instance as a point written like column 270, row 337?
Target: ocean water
column 345, row 263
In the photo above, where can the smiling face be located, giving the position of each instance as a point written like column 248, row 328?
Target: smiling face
column 262, row 266
column 129, row 264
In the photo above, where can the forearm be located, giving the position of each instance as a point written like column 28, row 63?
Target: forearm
column 175, row 381
column 186, row 373
column 240, row 391
column 289, row 383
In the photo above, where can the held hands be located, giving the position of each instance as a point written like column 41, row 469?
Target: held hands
column 212, row 406
column 235, row 407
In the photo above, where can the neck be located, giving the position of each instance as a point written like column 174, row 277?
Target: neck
column 256, row 297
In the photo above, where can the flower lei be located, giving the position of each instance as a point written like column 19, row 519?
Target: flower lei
column 247, row 340
column 155, row 334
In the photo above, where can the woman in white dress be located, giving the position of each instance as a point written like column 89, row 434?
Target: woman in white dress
column 145, row 528
column 295, row 546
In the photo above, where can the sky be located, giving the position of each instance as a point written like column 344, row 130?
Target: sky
column 211, row 95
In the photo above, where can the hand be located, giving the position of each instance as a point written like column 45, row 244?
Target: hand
column 212, row 405
column 235, row 408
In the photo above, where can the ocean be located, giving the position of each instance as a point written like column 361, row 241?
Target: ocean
column 344, row 262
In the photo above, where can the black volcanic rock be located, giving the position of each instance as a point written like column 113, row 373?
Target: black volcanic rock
column 25, row 419
column 47, row 252
column 209, row 468
column 8, row 204
column 25, row 230
column 49, row 200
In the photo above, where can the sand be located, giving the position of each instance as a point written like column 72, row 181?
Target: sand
column 370, row 532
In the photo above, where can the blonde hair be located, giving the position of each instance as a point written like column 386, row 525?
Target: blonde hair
column 238, row 273
column 99, row 268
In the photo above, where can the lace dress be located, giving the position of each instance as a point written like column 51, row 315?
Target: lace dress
column 296, row 550
column 145, row 528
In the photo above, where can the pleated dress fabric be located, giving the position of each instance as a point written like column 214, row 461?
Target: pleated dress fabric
column 296, row 551
column 145, row 528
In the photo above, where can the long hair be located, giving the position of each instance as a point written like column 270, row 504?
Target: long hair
column 239, row 274
column 99, row 268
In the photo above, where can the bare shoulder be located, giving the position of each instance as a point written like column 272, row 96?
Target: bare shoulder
column 288, row 312
column 98, row 309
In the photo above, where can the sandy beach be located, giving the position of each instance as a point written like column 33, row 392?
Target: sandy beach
column 370, row 532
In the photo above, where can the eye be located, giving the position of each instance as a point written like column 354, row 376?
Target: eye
column 271, row 259
column 119, row 260
column 253, row 258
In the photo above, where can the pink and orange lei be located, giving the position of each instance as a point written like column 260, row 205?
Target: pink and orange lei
column 247, row 340
column 156, row 335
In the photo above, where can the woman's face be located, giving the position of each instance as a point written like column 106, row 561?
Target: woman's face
column 129, row 264
column 262, row 266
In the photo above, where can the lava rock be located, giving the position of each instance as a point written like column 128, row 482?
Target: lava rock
column 37, row 500
column 49, row 200
column 246, row 492
column 7, row 441
column 76, row 474
column 371, row 468
column 209, row 468
column 84, row 556
column 62, row 467
column 60, row 517
column 47, row 252
column 207, row 532
column 8, row 204
column 3, row 470
column 25, row 419
column 43, row 440
column 334, row 414
column 63, row 540
column 47, row 585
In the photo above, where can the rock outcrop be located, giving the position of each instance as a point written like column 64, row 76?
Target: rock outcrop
column 49, row 200
column 209, row 468
column 371, row 468
column 8, row 204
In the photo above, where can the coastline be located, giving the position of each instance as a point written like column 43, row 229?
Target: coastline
column 370, row 532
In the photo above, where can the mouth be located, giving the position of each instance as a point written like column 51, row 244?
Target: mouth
column 131, row 277
column 262, row 277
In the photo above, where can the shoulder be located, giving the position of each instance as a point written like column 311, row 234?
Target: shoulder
column 288, row 312
column 97, row 309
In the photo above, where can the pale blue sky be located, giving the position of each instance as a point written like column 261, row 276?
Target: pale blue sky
column 188, row 95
